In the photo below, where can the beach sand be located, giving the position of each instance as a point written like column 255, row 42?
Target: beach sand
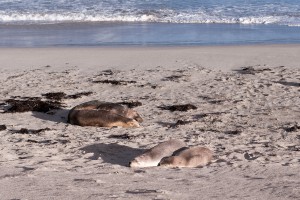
column 248, row 114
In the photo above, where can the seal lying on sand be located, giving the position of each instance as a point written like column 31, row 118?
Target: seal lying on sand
column 103, row 114
column 189, row 157
column 152, row 156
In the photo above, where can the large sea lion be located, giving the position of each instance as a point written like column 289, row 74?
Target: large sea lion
column 103, row 114
column 189, row 157
column 153, row 156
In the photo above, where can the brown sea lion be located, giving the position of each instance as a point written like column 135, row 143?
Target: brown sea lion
column 103, row 114
column 152, row 156
column 189, row 157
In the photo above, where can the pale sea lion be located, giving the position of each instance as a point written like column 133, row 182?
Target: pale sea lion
column 189, row 157
column 153, row 156
column 103, row 114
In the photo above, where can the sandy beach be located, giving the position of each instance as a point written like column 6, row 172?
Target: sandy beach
column 247, row 112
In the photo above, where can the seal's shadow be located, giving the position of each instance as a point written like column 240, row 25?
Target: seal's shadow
column 112, row 153
column 60, row 116
column 294, row 84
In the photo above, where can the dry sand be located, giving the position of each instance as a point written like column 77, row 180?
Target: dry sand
column 250, row 118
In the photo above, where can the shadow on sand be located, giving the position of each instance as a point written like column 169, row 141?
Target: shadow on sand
column 59, row 116
column 294, row 84
column 112, row 153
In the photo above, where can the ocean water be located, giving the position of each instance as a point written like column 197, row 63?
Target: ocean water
column 145, row 22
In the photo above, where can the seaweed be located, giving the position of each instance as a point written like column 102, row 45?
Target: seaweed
column 148, row 85
column 173, row 78
column 58, row 96
column 180, row 122
column 48, row 141
column 114, row 82
column 235, row 132
column 32, row 104
column 294, row 128
column 251, row 70
column 182, row 108
column 216, row 101
column 30, row 131
column 41, row 141
column 293, row 84
column 131, row 104
column 2, row 127
column 123, row 136
column 294, row 148
column 78, row 95
column 108, row 72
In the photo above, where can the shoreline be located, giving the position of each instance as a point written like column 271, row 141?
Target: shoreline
column 145, row 34
column 225, row 58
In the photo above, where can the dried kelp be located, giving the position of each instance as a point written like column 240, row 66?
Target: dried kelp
column 252, row 70
column 31, row 104
column 58, row 96
column 123, row 136
column 115, row 82
column 131, row 104
column 182, row 108
column 2, row 127
column 30, row 131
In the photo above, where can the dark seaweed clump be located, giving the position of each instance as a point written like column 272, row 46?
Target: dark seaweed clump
column 132, row 104
column 251, row 70
column 2, row 127
column 115, row 82
column 48, row 142
column 32, row 104
column 293, row 84
column 180, row 122
column 234, row 132
column 182, row 108
column 30, row 131
column 173, row 78
column 294, row 148
column 78, row 95
column 58, row 96
column 123, row 136
column 294, row 128
column 108, row 72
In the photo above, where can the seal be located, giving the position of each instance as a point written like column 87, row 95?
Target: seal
column 189, row 157
column 153, row 156
column 103, row 114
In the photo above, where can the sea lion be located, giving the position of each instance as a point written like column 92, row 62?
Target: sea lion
column 189, row 157
column 152, row 156
column 103, row 114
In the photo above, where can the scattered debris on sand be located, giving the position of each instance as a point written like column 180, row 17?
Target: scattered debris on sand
column 2, row 127
column 252, row 70
column 108, row 72
column 182, row 108
column 78, row 95
column 180, row 123
column 174, row 78
column 115, row 82
column 58, row 96
column 293, row 128
column 31, row 104
column 30, row 131
column 123, row 136
column 131, row 104
column 234, row 132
